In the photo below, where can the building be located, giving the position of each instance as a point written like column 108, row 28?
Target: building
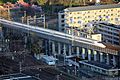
column 101, row 62
column 109, row 32
column 81, row 21
column 79, row 17
column 99, row 67
column 86, row 49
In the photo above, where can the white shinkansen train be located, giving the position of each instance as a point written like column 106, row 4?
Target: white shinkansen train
column 52, row 33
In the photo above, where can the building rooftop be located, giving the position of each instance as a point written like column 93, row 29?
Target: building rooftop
column 18, row 76
column 98, row 64
column 111, row 46
column 72, row 9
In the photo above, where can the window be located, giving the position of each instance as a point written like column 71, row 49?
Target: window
column 107, row 17
column 100, row 16
column 74, row 17
column 103, row 19
column 116, row 38
column 103, row 71
column 109, row 41
column 62, row 21
column 116, row 43
column 62, row 25
column 62, row 16
column 111, row 18
column 78, row 17
column 116, row 34
column 79, row 22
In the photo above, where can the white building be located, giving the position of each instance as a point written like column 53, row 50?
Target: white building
column 79, row 17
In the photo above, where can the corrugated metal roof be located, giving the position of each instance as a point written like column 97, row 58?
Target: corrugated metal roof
column 72, row 9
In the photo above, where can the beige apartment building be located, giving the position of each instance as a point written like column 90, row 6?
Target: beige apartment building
column 79, row 17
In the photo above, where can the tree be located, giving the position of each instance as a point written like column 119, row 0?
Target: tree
column 5, row 1
column 41, row 2
column 1, row 1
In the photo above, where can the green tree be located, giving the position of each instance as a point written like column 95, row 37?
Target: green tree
column 1, row 1
column 41, row 2
column 5, row 1
column 28, row 1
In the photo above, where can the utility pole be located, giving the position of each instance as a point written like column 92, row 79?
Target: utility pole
column 55, row 60
column 44, row 21
column 29, row 36
column 49, row 41
column 20, row 66
column 25, row 16
column 58, row 77
column 64, row 53
column 46, row 47
column 73, row 39
column 28, row 21
column 75, row 67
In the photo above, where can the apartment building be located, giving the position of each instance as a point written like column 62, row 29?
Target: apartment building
column 109, row 32
column 79, row 17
